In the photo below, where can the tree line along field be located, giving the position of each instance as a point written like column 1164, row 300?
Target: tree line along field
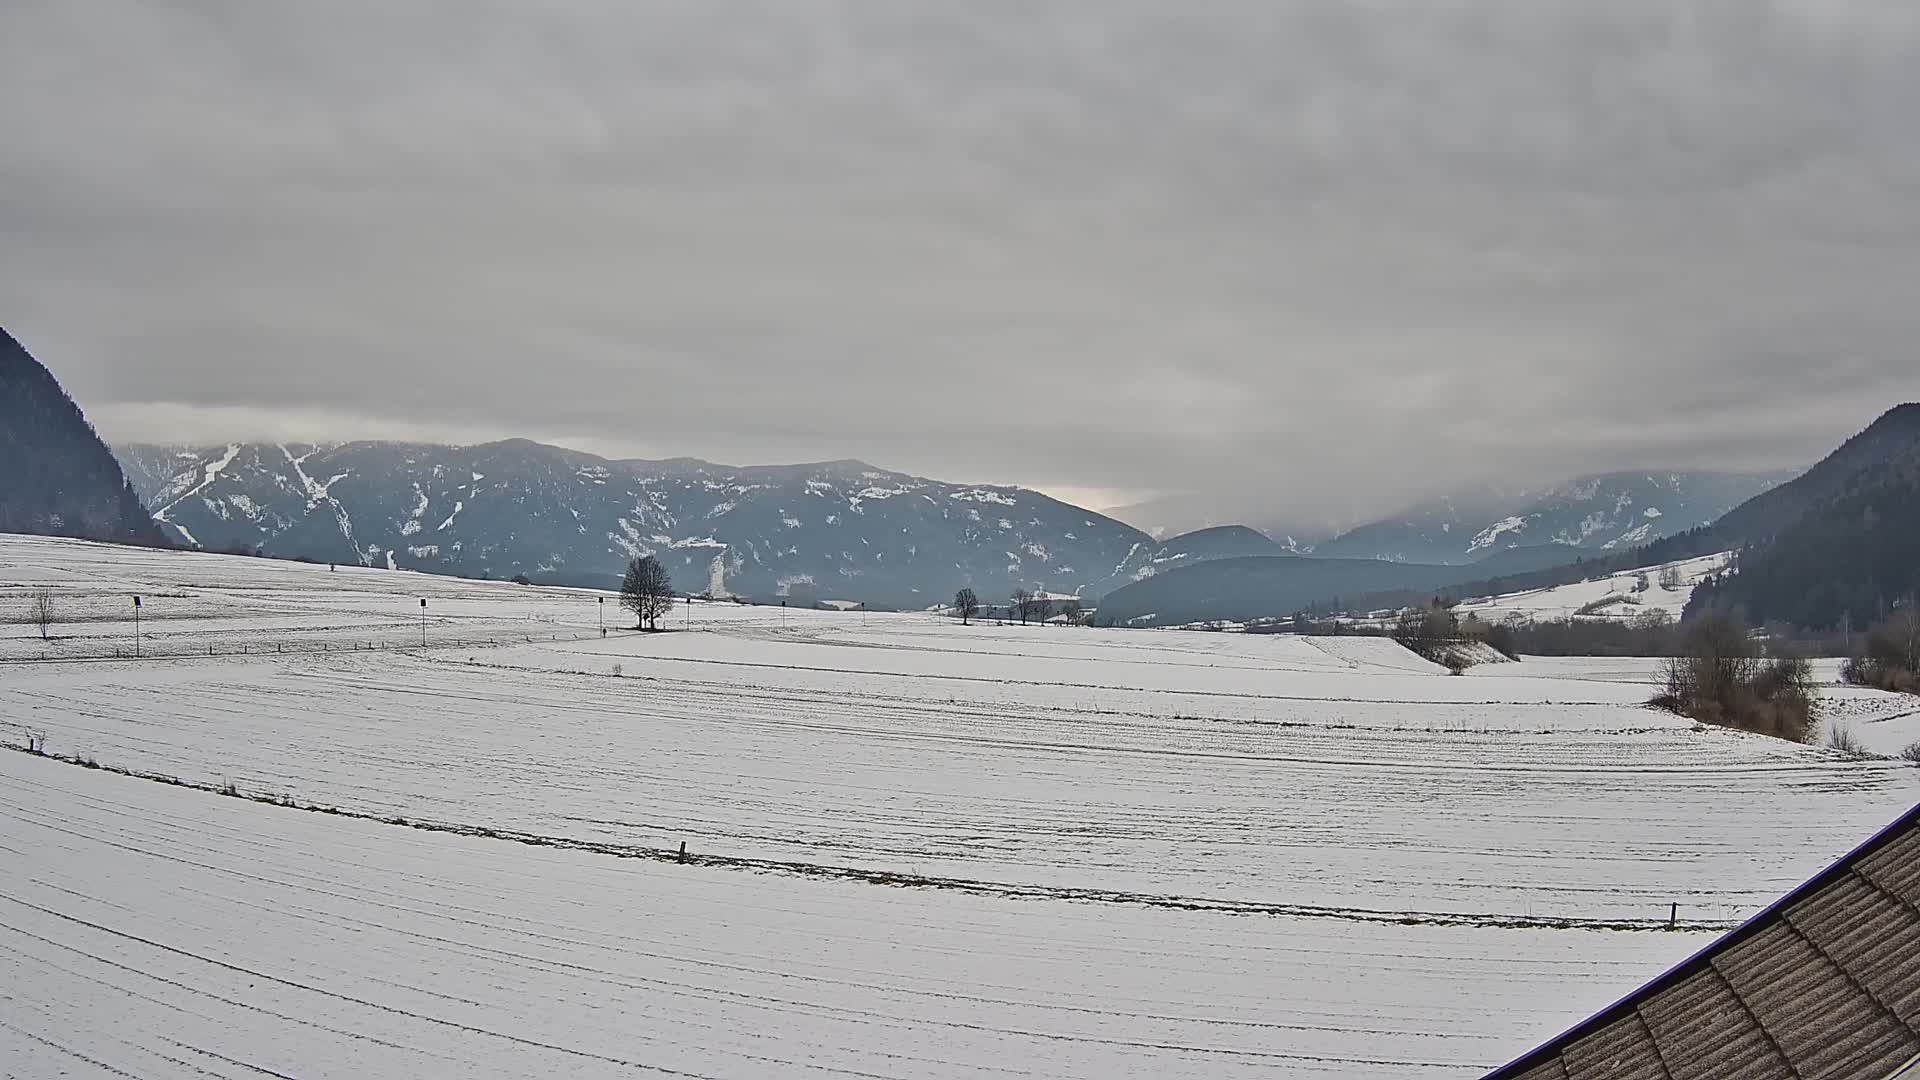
column 915, row 848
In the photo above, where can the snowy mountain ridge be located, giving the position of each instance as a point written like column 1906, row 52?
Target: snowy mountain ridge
column 828, row 529
column 1600, row 512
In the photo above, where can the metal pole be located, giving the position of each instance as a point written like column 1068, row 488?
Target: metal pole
column 423, row 622
column 602, row 605
column 136, row 627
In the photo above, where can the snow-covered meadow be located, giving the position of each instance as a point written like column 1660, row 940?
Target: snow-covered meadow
column 918, row 849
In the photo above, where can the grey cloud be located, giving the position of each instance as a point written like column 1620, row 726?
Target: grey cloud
column 1328, row 254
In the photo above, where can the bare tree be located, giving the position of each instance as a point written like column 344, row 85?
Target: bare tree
column 1430, row 629
column 1888, row 655
column 647, row 591
column 1022, row 604
column 1903, row 627
column 1670, row 578
column 966, row 605
column 40, row 612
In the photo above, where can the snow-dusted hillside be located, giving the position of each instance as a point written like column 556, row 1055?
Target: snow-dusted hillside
column 1620, row 596
column 1605, row 512
column 832, row 530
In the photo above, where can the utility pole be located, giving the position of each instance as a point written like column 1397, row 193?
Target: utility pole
column 136, row 627
column 689, row 601
column 783, row 614
column 603, row 616
column 423, row 622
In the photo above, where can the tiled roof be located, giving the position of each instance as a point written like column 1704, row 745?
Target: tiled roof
column 1823, row 984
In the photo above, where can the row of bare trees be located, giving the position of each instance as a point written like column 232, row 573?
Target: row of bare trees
column 1025, row 605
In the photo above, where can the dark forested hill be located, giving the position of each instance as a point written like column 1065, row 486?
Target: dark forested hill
column 1260, row 587
column 56, row 477
column 1895, row 434
column 1839, row 551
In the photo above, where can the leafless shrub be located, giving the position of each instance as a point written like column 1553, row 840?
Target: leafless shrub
column 1721, row 678
column 1845, row 741
column 1911, row 753
column 1889, row 656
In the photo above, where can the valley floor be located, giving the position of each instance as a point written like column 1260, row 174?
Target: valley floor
column 918, row 849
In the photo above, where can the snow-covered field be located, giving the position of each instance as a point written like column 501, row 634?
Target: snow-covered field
column 163, row 932
column 231, row 604
column 1884, row 724
column 919, row 849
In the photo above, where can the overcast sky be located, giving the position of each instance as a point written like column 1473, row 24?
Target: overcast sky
column 1319, row 254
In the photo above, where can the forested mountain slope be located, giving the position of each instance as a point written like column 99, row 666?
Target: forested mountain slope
column 56, row 477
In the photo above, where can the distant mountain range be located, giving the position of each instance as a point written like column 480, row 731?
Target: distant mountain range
column 1831, row 547
column 1272, row 586
column 1600, row 512
column 1168, row 516
column 1603, row 512
column 1475, row 534
column 56, row 477
column 1187, row 549
column 841, row 529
